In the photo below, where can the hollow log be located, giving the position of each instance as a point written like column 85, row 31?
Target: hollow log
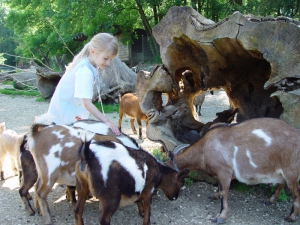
column 254, row 59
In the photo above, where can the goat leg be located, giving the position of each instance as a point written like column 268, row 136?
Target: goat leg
column 70, row 194
column 147, row 209
column 293, row 185
column 108, row 209
column 132, row 126
column 41, row 193
column 140, row 128
column 25, row 197
column 140, row 206
column 275, row 194
column 224, row 184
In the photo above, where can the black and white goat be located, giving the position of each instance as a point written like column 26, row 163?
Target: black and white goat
column 30, row 174
column 54, row 149
column 118, row 175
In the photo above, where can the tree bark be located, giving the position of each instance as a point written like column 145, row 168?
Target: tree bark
column 254, row 59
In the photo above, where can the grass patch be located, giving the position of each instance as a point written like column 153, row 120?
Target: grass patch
column 188, row 181
column 15, row 92
column 109, row 108
column 267, row 189
column 41, row 99
column 240, row 187
column 8, row 82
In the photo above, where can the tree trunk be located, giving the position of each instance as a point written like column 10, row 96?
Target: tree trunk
column 148, row 30
column 116, row 79
column 255, row 60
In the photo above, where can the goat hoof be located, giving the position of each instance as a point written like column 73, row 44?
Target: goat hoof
column 212, row 198
column 218, row 220
column 221, row 221
column 268, row 202
column 288, row 219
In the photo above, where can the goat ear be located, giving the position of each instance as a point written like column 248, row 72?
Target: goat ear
column 183, row 173
column 170, row 156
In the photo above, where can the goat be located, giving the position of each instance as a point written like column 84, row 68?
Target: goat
column 29, row 176
column 118, row 175
column 54, row 151
column 10, row 142
column 29, row 168
column 198, row 100
column 129, row 105
column 262, row 150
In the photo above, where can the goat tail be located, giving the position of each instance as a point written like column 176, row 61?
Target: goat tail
column 23, row 144
column 86, row 138
column 122, row 93
column 36, row 128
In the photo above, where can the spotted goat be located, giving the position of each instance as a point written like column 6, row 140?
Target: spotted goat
column 54, row 149
column 118, row 175
column 262, row 150
column 52, row 158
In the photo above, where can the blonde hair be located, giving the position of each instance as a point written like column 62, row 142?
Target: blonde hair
column 100, row 42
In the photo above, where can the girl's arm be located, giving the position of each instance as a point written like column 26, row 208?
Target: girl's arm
column 96, row 113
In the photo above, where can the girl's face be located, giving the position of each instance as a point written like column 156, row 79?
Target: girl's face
column 100, row 59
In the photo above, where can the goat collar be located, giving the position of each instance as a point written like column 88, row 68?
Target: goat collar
column 178, row 149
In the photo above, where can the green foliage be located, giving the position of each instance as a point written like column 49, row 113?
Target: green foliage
column 283, row 196
column 14, row 92
column 46, row 29
column 41, row 99
column 194, row 173
column 2, row 59
column 7, row 82
column 157, row 153
column 108, row 108
column 7, row 43
column 188, row 181
column 240, row 187
column 244, row 188
column 157, row 59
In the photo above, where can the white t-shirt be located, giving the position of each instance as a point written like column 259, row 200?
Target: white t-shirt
column 66, row 103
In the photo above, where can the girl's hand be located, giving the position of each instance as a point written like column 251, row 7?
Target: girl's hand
column 113, row 128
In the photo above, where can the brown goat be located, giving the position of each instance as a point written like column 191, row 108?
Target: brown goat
column 263, row 150
column 29, row 169
column 53, row 149
column 118, row 175
column 129, row 105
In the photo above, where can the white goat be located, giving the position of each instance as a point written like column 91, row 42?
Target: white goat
column 10, row 142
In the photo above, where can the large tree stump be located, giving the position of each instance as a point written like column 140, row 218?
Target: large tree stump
column 255, row 60
column 116, row 79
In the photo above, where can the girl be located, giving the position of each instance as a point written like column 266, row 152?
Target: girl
column 72, row 99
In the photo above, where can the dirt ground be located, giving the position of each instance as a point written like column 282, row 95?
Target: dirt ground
column 192, row 207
